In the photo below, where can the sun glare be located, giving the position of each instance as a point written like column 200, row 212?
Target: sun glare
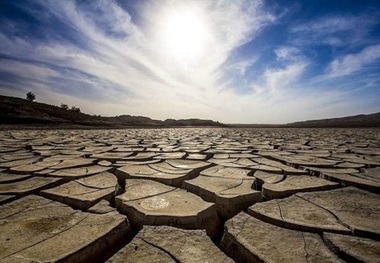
column 184, row 34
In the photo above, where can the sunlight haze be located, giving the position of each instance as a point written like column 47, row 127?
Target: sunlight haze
column 244, row 61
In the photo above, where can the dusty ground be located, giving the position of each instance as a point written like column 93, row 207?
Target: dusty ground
column 190, row 195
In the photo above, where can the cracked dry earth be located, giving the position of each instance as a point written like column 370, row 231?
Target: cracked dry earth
column 190, row 195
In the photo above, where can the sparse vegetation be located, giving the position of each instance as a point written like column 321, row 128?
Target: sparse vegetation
column 75, row 109
column 19, row 111
column 30, row 96
column 64, row 106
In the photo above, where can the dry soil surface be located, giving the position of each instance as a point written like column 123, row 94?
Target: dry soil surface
column 190, row 195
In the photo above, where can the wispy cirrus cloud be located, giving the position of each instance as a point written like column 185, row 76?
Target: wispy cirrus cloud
column 100, row 56
column 241, row 66
column 277, row 78
column 335, row 30
column 111, row 52
column 288, row 53
column 351, row 63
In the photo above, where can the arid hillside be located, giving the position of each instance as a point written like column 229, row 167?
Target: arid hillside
column 21, row 111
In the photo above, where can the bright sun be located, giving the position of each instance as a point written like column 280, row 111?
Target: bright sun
column 184, row 34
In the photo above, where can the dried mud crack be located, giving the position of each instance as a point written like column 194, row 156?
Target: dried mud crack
column 190, row 195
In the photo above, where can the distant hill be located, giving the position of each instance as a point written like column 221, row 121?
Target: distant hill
column 21, row 111
column 362, row 120
column 191, row 122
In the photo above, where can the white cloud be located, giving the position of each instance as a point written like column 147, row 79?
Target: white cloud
column 127, row 67
column 327, row 25
column 287, row 53
column 241, row 66
column 226, row 33
column 25, row 70
column 338, row 30
column 276, row 79
column 158, row 86
column 352, row 63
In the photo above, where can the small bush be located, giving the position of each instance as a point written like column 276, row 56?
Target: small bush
column 64, row 106
column 30, row 96
column 73, row 108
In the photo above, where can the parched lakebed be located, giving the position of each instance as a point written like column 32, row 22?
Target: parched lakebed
column 190, row 195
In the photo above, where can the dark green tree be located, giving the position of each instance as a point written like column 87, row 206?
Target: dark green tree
column 73, row 108
column 64, row 106
column 30, row 96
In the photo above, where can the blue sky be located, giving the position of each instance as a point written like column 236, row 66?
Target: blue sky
column 232, row 61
